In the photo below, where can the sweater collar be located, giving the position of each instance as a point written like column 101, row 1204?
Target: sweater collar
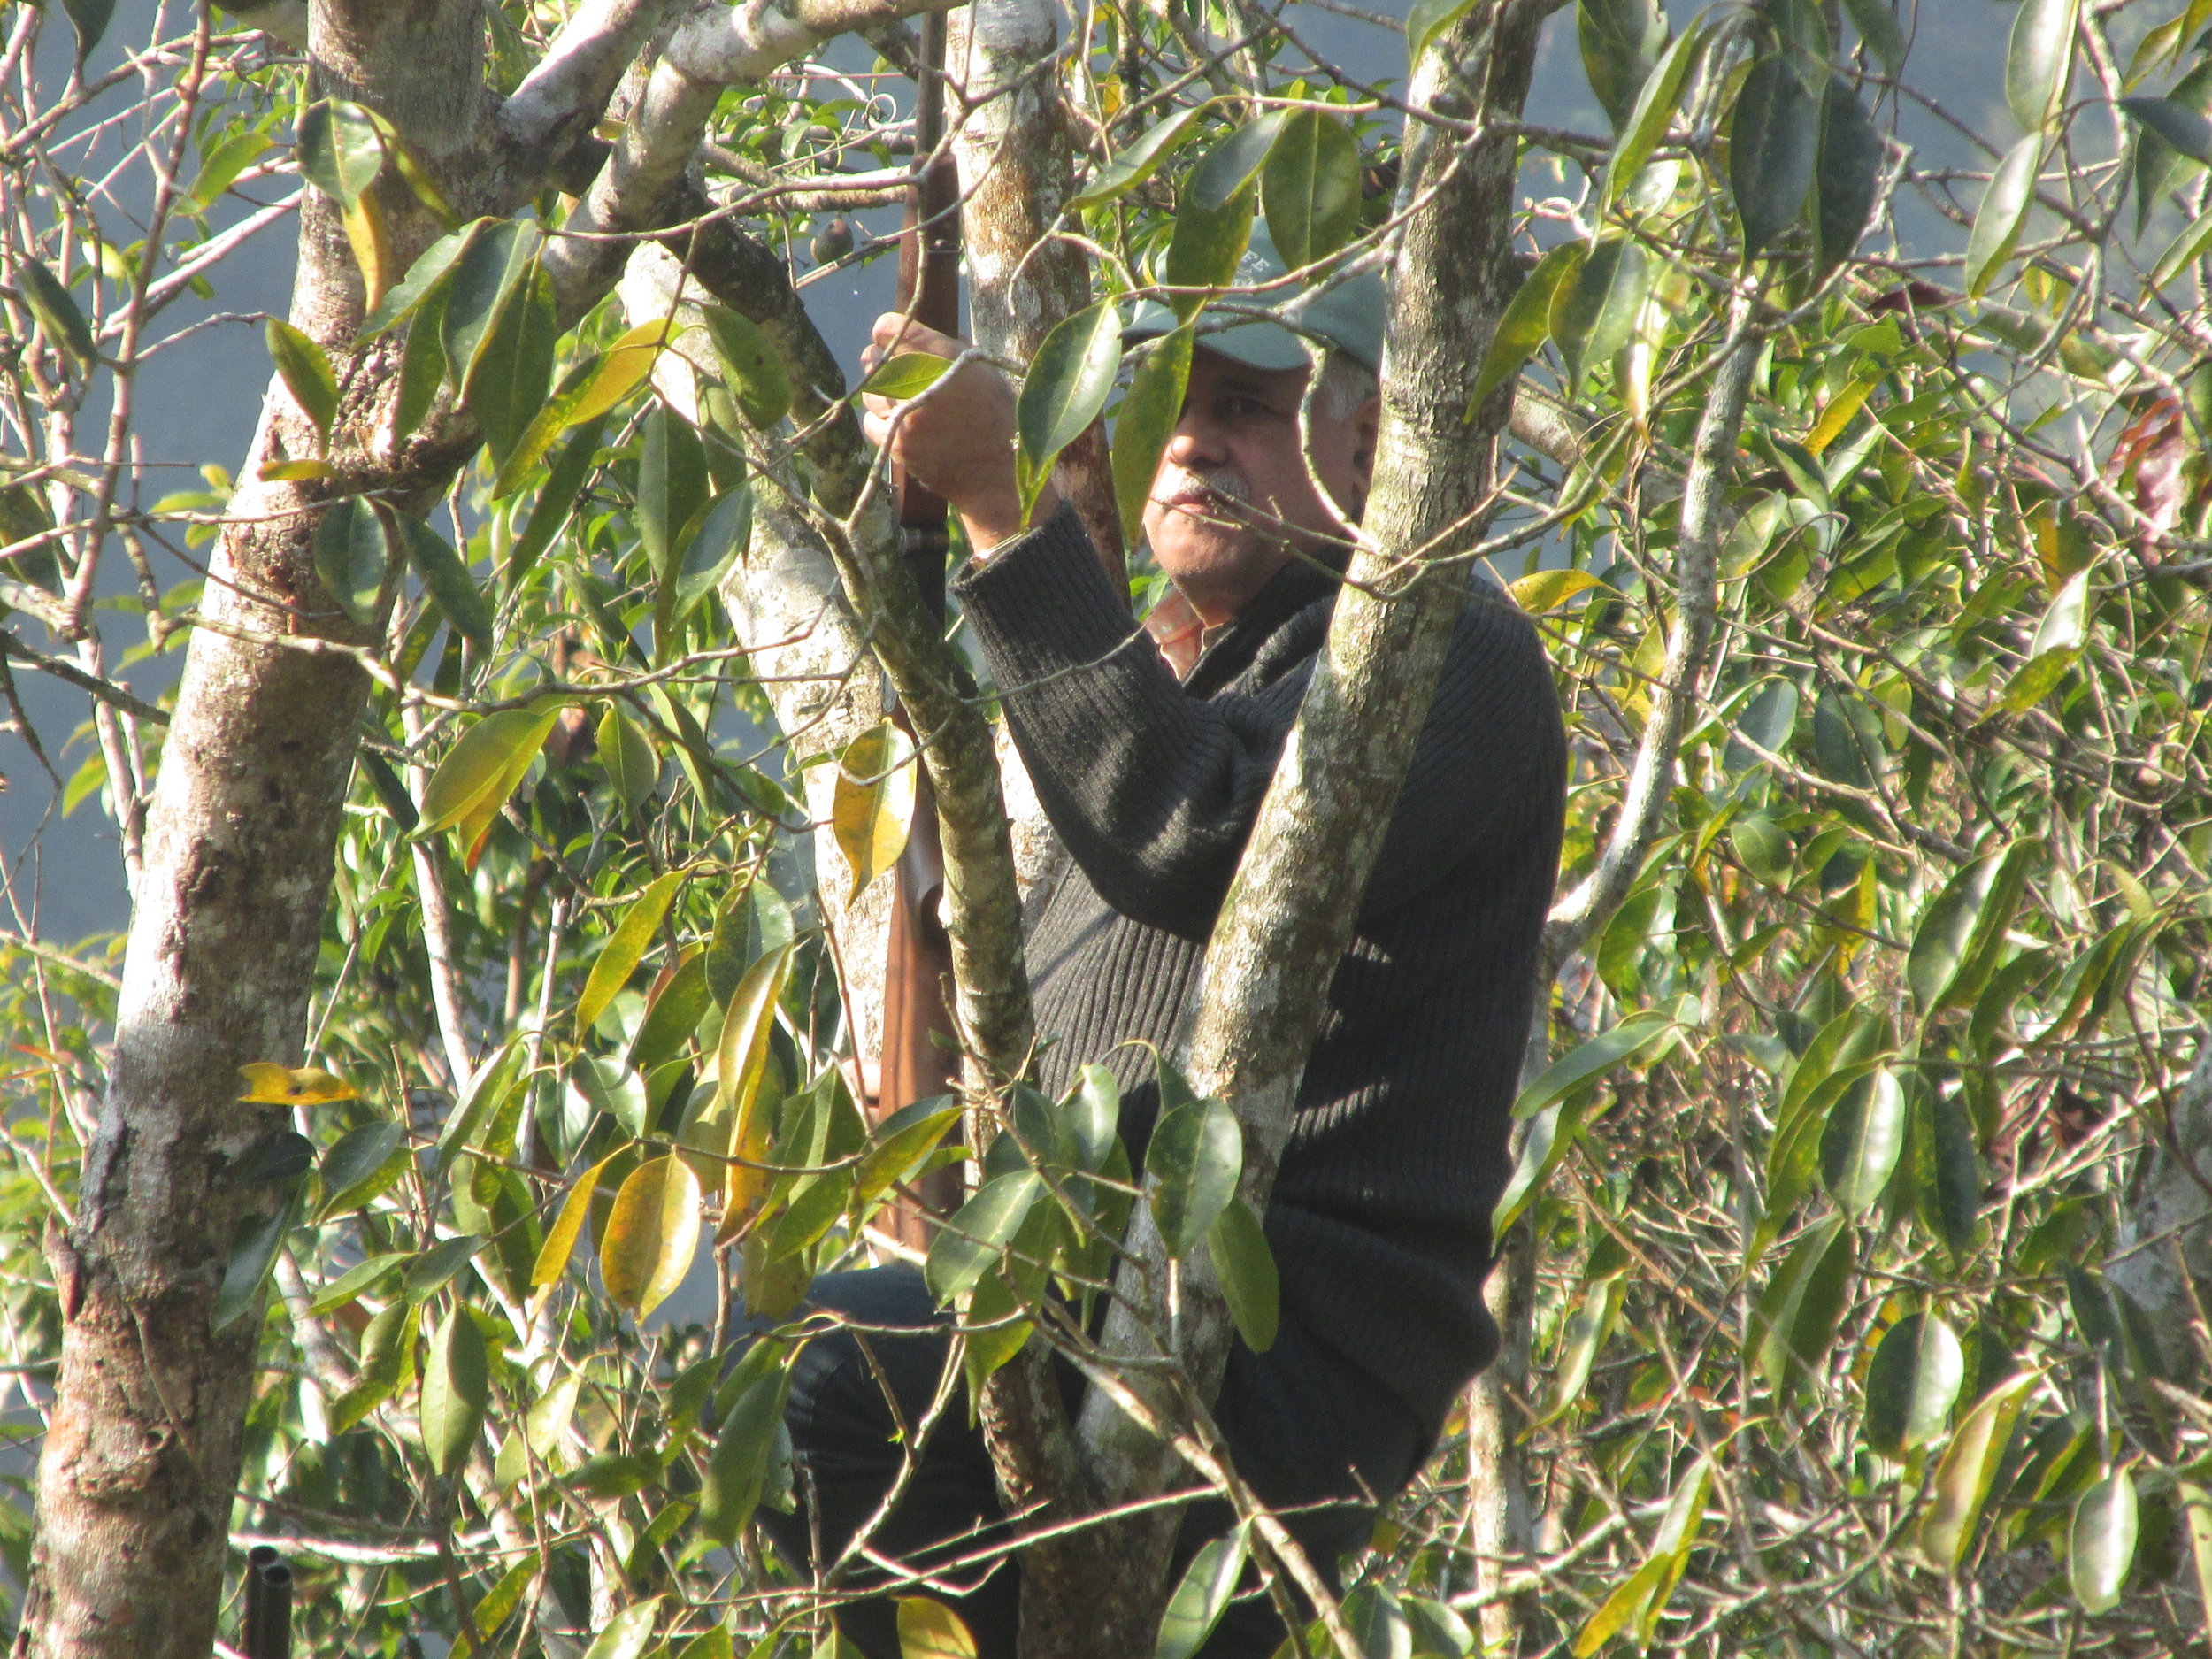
column 1237, row 642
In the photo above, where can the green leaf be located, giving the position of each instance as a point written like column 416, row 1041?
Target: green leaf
column 387, row 1360
column 341, row 150
column 609, row 1086
column 353, row 556
column 1859, row 1148
column 1773, row 149
column 1952, row 1174
column 1912, row 1384
column 1150, row 411
column 751, row 368
column 587, row 392
column 1621, row 40
column 1763, row 848
column 738, row 1468
column 491, row 265
column 652, row 1233
column 2100, row 1546
column 972, row 1243
column 1877, row 27
column 1593, row 316
column 711, row 542
column 449, row 580
column 1657, row 104
column 58, row 317
column 628, row 1633
column 625, row 947
column 1795, row 1320
column 1309, row 188
column 714, row 1644
column 1849, row 179
column 1204, row 249
column 1939, row 944
column 909, row 375
column 2040, row 60
column 1065, row 390
column 422, row 370
column 1549, row 1136
column 88, row 18
column 904, row 1141
column 564, row 487
column 456, row 1391
column 1203, row 1597
column 424, row 277
column 930, row 1630
column 1768, row 719
column 253, row 1252
column 1526, row 324
column 672, row 485
column 434, row 1268
column 632, row 765
column 1224, row 173
column 1593, row 1059
column 1140, row 158
column 1584, row 1335
column 1093, row 1115
column 1246, row 1267
column 1962, row 1479
column 356, row 1280
column 873, row 809
column 1426, row 19
column 497, row 1607
column 2055, row 647
column 2182, row 128
column 359, row 1166
column 511, row 373
column 1191, row 1164
column 486, row 765
column 741, row 1061
column 2002, row 212
column 306, row 372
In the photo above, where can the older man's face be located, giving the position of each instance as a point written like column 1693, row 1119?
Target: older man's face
column 1233, row 495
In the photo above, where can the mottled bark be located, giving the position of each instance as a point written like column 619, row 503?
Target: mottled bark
column 141, row 1457
column 1291, row 908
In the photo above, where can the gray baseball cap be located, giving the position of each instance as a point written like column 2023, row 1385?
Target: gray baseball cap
column 1348, row 316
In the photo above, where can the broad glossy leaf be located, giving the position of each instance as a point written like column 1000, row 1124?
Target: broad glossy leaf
column 2100, row 1546
column 1226, row 171
column 2038, row 61
column 449, row 580
column 1245, row 1268
column 1621, row 40
column 618, row 957
column 1425, row 20
column 1939, row 944
column 1593, row 316
column 1149, row 411
column 387, row 1360
column 1763, row 847
column 1593, row 1059
column 1773, row 149
column 1962, row 1479
column 424, row 277
column 1065, row 390
column 1094, row 1114
column 1768, row 719
column 434, row 1268
column 341, row 150
column 908, row 374
column 487, row 764
column 1657, row 103
column 568, row 1226
column 905, row 1138
column 1849, row 177
column 362, row 1277
column 608, row 1085
column 1526, row 323
column 58, row 317
column 628, row 1633
column 557, row 499
column 88, row 19
column 1542, row 591
column 2182, row 127
column 1139, row 159
column 507, row 381
column 1860, row 1146
column 1951, row 1174
column 873, row 809
column 306, row 372
column 930, row 1630
column 587, row 394
column 422, row 370
column 672, row 485
column 1191, row 1164
column 972, row 1243
column 751, row 368
column 497, row 1607
column 1579, row 1340
column 652, row 1233
column 1202, row 1597
column 1912, row 1384
column 2002, row 212
column 1879, row 27
column 1550, row 1133
column 357, row 1168
column 712, row 543
column 627, row 755
column 741, row 1061
column 252, row 1254
column 737, row 1470
column 353, row 556
column 488, row 268
column 1795, row 1320
column 456, row 1391
column 1309, row 188
column 1204, row 249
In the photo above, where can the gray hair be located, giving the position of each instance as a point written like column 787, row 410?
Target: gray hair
column 1345, row 384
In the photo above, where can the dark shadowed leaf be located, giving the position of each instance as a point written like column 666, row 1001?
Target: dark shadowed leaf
column 972, row 1243
column 1204, row 249
column 1655, row 106
column 1879, row 27
column 1526, row 324
column 1226, row 171
column 58, row 317
column 2182, row 127
column 1773, row 149
column 1246, row 1267
column 1795, row 1319
column 1912, row 1384
column 751, row 367
column 671, row 484
column 253, row 1252
column 1850, row 176
column 456, row 1390
column 1593, row 316
column 1621, row 40
column 736, row 1471
column 449, row 580
column 632, row 765
column 1145, row 422
column 90, row 20
column 359, row 1166
column 353, row 555
column 1191, row 1165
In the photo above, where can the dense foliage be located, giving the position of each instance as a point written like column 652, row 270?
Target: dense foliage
column 1831, row 1187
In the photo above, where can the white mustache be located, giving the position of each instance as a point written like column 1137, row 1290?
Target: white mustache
column 1224, row 482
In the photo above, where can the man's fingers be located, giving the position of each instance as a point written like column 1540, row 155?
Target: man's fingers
column 895, row 333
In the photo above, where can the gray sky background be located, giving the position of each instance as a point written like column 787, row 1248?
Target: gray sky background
column 200, row 399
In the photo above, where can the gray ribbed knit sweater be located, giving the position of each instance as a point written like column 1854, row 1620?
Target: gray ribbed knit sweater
column 1379, row 1218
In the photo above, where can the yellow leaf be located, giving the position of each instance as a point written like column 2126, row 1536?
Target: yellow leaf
column 269, row 1084
column 875, row 805
column 371, row 246
column 560, row 1242
column 1837, row 415
column 291, row 472
column 740, row 1057
column 651, row 1234
column 930, row 1630
column 1539, row 591
column 484, row 765
column 619, row 957
column 615, row 376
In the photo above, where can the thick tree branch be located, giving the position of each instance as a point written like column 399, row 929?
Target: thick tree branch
column 569, row 88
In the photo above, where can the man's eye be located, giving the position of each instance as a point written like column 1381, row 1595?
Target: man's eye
column 1244, row 408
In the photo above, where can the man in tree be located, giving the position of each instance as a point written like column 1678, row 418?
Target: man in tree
column 1378, row 1221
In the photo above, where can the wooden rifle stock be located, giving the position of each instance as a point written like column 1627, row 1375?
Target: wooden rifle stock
column 920, row 1054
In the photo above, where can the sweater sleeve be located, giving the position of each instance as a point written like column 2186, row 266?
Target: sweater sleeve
column 1154, row 792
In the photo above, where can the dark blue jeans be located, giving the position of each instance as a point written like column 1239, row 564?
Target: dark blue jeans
column 1305, row 1426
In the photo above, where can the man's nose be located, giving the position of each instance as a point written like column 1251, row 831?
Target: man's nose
column 1196, row 441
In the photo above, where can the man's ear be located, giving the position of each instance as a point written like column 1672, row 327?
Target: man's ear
column 1366, row 425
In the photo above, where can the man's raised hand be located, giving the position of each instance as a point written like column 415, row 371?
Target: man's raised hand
column 958, row 439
